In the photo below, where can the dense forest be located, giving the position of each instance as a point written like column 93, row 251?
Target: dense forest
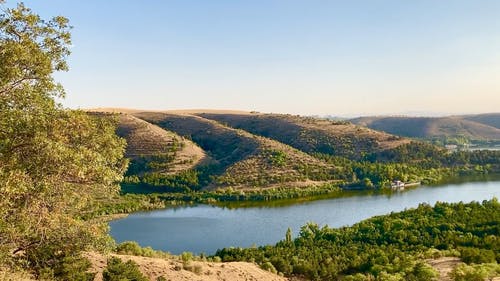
column 390, row 247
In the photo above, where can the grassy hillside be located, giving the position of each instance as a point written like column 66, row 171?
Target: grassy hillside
column 312, row 135
column 158, row 149
column 490, row 119
column 439, row 127
column 185, row 151
column 244, row 160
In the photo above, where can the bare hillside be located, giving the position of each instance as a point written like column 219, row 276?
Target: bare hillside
column 245, row 160
column 145, row 140
column 428, row 127
column 490, row 119
column 312, row 134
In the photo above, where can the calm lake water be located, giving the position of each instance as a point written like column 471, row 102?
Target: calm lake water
column 205, row 228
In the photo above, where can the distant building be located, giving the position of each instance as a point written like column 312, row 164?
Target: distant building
column 451, row 146
column 397, row 184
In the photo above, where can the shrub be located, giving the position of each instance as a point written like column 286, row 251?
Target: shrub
column 479, row 272
column 269, row 267
column 475, row 255
column 134, row 249
column 120, row 271
column 186, row 257
column 129, row 248
column 70, row 268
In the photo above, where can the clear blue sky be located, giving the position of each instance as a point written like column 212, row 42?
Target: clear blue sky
column 307, row 57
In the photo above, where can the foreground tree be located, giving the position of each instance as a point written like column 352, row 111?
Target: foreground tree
column 53, row 162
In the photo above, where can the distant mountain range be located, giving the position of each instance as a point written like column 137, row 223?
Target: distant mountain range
column 474, row 127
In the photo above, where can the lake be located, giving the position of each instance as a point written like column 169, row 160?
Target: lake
column 206, row 228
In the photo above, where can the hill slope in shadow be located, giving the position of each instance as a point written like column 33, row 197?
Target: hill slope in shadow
column 245, row 160
column 312, row 135
column 432, row 127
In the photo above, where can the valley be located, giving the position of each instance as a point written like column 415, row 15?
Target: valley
column 246, row 193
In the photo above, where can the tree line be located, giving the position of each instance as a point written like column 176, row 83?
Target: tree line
column 390, row 247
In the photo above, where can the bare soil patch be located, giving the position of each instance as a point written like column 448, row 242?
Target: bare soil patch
column 172, row 269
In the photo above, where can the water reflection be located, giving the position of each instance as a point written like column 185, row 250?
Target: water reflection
column 205, row 228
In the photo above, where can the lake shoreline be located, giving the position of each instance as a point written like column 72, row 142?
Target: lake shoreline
column 206, row 227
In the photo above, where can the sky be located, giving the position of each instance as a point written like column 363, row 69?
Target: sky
column 311, row 57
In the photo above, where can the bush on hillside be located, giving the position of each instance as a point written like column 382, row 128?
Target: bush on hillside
column 120, row 271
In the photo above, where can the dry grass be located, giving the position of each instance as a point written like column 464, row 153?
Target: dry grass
column 8, row 275
column 245, row 158
column 312, row 134
column 444, row 266
column 145, row 139
column 426, row 127
column 172, row 111
column 245, row 145
column 173, row 269
column 490, row 119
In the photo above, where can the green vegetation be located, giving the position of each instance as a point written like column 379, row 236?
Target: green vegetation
column 69, row 268
column 241, row 159
column 122, row 204
column 311, row 135
column 391, row 247
column 476, row 272
column 412, row 162
column 119, row 271
column 54, row 162
column 276, row 157
column 159, row 182
column 60, row 171
column 132, row 248
column 351, row 156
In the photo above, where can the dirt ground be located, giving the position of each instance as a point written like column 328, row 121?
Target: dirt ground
column 445, row 265
column 172, row 269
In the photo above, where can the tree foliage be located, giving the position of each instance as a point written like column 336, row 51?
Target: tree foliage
column 391, row 247
column 120, row 271
column 53, row 161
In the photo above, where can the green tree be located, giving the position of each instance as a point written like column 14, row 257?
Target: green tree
column 53, row 162
column 120, row 271
column 288, row 236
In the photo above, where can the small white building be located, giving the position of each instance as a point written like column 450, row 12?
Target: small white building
column 451, row 146
column 397, row 184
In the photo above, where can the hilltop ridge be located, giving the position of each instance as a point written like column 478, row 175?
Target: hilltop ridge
column 475, row 127
column 185, row 151
column 146, row 141
column 245, row 160
column 313, row 135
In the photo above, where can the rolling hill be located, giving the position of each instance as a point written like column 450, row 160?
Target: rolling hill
column 147, row 144
column 184, row 151
column 476, row 127
column 245, row 160
column 490, row 119
column 312, row 135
